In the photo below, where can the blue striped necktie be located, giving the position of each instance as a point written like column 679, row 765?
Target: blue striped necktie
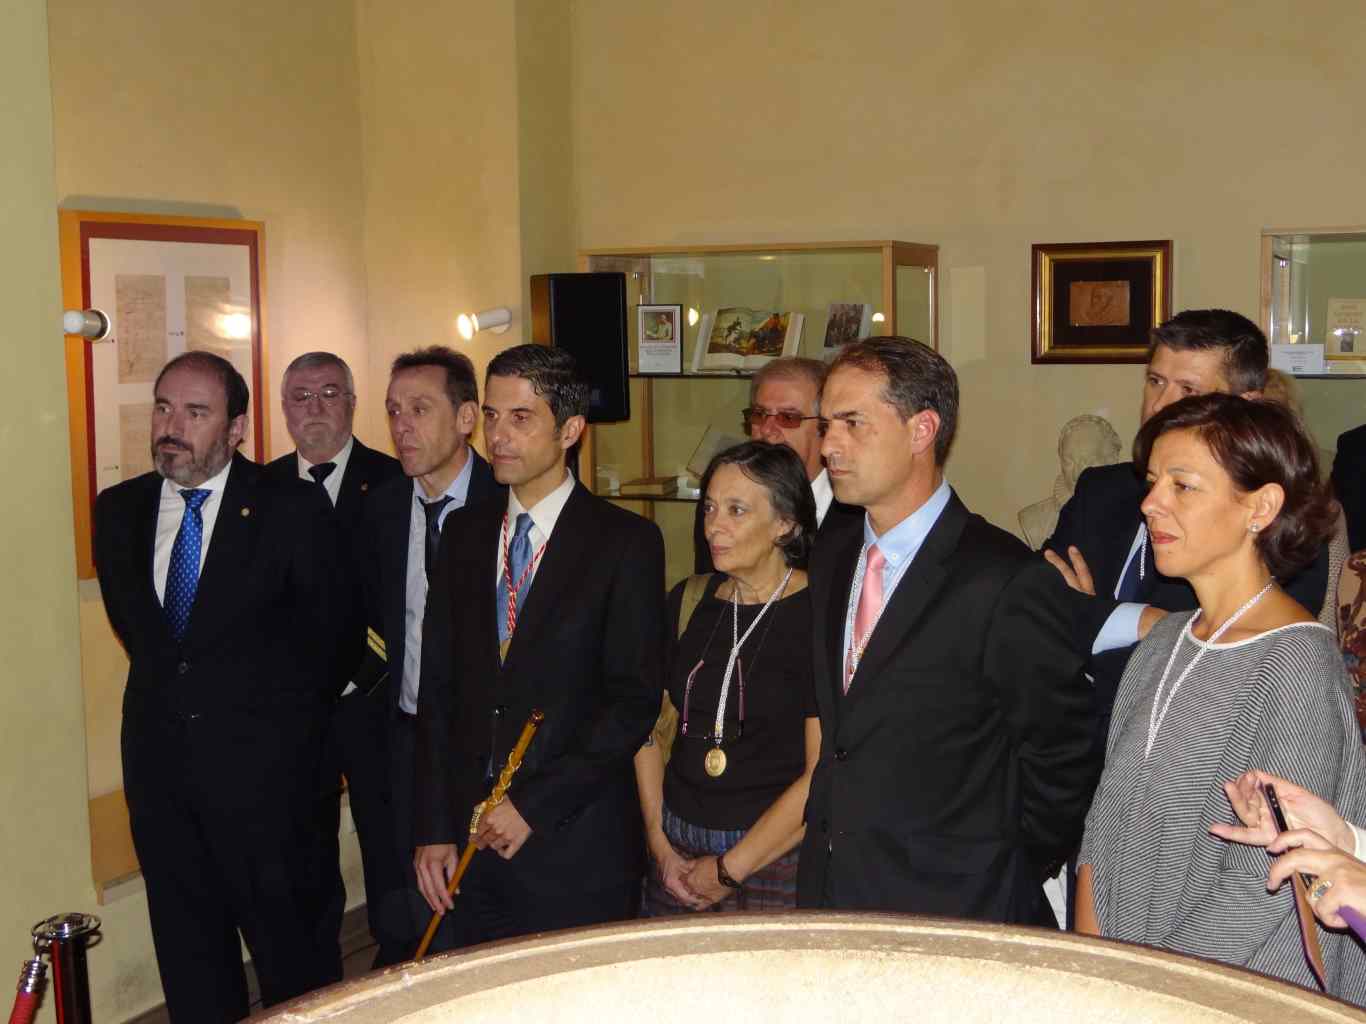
column 182, row 575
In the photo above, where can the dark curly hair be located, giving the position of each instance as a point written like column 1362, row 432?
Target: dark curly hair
column 1257, row 443
column 779, row 471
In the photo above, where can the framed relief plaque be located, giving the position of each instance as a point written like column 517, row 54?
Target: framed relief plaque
column 1095, row 302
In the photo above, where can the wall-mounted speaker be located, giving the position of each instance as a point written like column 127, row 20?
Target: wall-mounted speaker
column 585, row 314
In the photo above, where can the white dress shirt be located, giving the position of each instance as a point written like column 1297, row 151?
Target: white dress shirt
column 169, row 515
column 332, row 485
column 544, row 515
column 823, row 493
column 415, row 602
column 1121, row 627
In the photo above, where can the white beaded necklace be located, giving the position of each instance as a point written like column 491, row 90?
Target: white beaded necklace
column 1156, row 717
column 736, row 642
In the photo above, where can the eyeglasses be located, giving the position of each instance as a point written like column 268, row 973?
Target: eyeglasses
column 327, row 395
column 757, row 416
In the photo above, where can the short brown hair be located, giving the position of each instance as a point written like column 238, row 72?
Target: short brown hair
column 1258, row 442
column 1200, row 330
column 461, row 384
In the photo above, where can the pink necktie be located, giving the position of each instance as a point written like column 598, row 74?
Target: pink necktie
column 869, row 606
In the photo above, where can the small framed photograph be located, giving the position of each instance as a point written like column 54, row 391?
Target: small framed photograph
column 1095, row 302
column 1344, row 335
column 848, row 322
column 659, row 338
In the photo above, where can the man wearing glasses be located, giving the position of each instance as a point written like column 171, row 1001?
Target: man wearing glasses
column 318, row 396
column 784, row 408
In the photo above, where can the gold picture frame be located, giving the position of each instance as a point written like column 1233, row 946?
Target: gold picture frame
column 1096, row 302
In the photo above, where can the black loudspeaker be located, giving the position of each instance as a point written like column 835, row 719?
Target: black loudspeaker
column 585, row 314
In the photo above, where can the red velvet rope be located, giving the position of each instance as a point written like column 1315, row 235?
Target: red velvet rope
column 25, row 1008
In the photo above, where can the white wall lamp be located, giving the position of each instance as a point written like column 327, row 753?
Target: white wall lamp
column 495, row 320
column 91, row 324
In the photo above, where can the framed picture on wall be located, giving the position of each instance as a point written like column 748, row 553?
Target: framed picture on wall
column 1344, row 333
column 659, row 338
column 168, row 285
column 1095, row 302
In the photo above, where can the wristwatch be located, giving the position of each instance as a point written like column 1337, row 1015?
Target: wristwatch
column 723, row 876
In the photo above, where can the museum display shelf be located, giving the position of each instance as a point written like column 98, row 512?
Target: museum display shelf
column 897, row 283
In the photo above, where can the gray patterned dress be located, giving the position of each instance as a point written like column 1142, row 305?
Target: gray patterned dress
column 1280, row 702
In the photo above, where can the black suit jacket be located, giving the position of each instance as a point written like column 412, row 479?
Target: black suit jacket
column 366, row 471
column 588, row 651
column 1349, row 481
column 269, row 578
column 957, row 771
column 387, row 515
column 1101, row 519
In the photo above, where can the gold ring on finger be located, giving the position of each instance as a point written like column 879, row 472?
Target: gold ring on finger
column 1320, row 887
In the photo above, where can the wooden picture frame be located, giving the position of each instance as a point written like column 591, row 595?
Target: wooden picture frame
column 1096, row 302
column 171, row 284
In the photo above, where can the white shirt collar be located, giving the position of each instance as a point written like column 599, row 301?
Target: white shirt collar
column 823, row 493
column 545, row 512
column 339, row 460
column 332, row 485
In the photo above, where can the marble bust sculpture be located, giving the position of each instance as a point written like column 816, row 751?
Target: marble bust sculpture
column 1084, row 441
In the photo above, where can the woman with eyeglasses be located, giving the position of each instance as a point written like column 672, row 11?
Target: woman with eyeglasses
column 1250, row 679
column 724, row 818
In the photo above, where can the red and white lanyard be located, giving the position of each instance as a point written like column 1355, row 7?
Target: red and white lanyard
column 514, row 589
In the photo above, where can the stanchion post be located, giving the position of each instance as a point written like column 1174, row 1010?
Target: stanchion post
column 65, row 937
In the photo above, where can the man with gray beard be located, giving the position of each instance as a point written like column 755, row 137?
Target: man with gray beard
column 221, row 584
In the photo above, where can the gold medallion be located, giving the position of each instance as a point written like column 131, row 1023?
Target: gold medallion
column 715, row 762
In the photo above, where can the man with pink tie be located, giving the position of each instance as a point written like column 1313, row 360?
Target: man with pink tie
column 956, row 757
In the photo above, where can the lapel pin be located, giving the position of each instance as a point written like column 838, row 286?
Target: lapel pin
column 245, row 512
column 364, row 487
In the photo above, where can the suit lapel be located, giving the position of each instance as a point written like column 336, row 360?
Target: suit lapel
column 917, row 589
column 480, row 549
column 835, row 613
column 359, row 478
column 234, row 529
column 149, row 509
column 558, row 569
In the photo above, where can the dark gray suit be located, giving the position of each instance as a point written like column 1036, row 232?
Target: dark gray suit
column 399, row 914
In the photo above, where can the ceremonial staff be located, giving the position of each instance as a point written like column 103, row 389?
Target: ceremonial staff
column 495, row 798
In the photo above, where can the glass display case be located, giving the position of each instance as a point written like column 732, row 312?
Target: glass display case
column 1314, row 293
column 891, row 286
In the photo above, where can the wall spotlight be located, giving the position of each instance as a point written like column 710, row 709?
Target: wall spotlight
column 878, row 318
column 495, row 320
column 90, row 324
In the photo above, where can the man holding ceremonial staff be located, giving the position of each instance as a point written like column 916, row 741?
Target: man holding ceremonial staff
column 554, row 599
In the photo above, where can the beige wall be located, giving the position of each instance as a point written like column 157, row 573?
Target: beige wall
column 248, row 110
column 440, row 136
column 42, row 761
column 982, row 126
